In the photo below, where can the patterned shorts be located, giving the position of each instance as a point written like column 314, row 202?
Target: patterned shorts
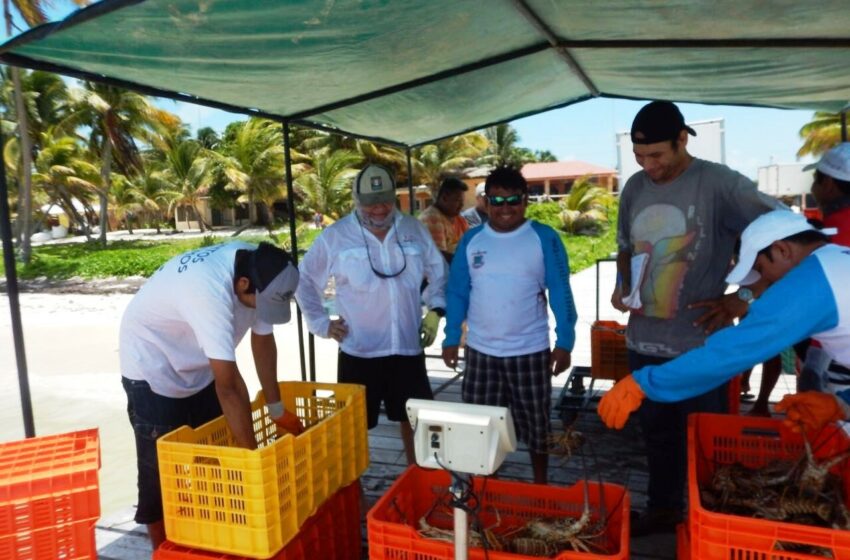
column 521, row 383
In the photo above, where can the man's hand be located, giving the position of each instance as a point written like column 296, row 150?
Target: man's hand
column 620, row 401
column 450, row 356
column 337, row 329
column 811, row 410
column 720, row 312
column 428, row 329
column 617, row 297
column 288, row 424
column 559, row 361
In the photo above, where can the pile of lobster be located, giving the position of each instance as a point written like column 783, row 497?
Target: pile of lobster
column 802, row 491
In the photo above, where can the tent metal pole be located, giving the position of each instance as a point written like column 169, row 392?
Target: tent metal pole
column 410, row 200
column 844, row 124
column 14, row 303
column 290, row 202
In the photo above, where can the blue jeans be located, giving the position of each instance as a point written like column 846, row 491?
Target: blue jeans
column 665, row 432
column 152, row 416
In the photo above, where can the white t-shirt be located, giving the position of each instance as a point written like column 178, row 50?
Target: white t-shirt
column 185, row 315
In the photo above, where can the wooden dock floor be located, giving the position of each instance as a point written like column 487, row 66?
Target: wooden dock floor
column 611, row 456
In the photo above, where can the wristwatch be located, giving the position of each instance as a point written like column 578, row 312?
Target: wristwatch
column 746, row 295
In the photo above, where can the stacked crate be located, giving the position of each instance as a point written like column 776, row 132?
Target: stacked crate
column 221, row 498
column 715, row 440
column 393, row 522
column 49, row 497
column 332, row 533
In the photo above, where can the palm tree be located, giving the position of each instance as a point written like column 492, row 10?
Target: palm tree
column 63, row 173
column 326, row 185
column 252, row 161
column 33, row 13
column 433, row 162
column 116, row 117
column 153, row 195
column 187, row 175
column 585, row 210
column 503, row 140
column 821, row 134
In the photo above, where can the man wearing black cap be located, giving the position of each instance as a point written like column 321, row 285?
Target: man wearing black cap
column 679, row 220
column 178, row 341
column 378, row 258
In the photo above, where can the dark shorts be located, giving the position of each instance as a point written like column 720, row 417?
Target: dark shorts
column 152, row 416
column 388, row 379
column 521, row 383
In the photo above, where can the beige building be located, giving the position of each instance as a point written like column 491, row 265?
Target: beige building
column 186, row 219
column 556, row 178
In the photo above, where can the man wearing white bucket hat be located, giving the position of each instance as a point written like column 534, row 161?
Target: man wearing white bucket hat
column 808, row 295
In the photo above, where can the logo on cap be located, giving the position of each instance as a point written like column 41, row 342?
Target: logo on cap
column 377, row 183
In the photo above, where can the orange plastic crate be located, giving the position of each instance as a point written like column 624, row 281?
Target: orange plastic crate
column 716, row 439
column 683, row 543
column 391, row 521
column 49, row 496
column 608, row 356
column 332, row 533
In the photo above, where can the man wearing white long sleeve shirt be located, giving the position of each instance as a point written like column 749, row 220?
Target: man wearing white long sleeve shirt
column 378, row 258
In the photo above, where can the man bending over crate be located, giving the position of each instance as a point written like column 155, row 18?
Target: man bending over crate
column 808, row 295
column 680, row 216
column 498, row 283
column 178, row 343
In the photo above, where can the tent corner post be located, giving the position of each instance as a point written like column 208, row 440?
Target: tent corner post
column 410, row 199
column 14, row 303
column 293, row 237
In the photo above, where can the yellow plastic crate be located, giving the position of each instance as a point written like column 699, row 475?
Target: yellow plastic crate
column 251, row 503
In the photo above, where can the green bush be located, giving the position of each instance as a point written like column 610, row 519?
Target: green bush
column 545, row 212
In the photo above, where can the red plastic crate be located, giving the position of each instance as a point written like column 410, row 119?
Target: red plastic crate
column 392, row 536
column 609, row 358
column 735, row 395
column 49, row 496
column 683, row 543
column 332, row 533
column 716, row 439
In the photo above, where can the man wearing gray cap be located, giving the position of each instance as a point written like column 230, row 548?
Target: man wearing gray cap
column 679, row 219
column 807, row 295
column 378, row 258
column 178, row 341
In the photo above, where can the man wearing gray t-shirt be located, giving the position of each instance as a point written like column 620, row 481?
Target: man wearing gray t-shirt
column 680, row 216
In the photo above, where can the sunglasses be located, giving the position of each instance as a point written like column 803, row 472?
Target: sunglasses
column 513, row 200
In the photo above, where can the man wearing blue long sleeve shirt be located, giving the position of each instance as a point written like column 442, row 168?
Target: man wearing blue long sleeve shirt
column 498, row 282
column 808, row 296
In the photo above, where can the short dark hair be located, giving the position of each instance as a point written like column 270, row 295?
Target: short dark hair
column 507, row 177
column 260, row 266
column 451, row 185
column 843, row 186
column 808, row 237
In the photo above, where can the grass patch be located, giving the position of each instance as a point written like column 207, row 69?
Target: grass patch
column 117, row 259
column 142, row 258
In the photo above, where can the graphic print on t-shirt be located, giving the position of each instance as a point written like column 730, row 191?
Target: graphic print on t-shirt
column 661, row 231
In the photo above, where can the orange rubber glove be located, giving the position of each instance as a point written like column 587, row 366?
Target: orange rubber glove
column 288, row 424
column 811, row 410
column 623, row 399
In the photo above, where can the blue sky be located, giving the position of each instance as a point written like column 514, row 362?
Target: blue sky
column 586, row 131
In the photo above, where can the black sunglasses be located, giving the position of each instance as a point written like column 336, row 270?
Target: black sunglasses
column 513, row 200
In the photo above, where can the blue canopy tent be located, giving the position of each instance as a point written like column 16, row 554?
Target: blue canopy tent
column 408, row 73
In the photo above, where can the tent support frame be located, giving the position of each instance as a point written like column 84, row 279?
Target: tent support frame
column 14, row 302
